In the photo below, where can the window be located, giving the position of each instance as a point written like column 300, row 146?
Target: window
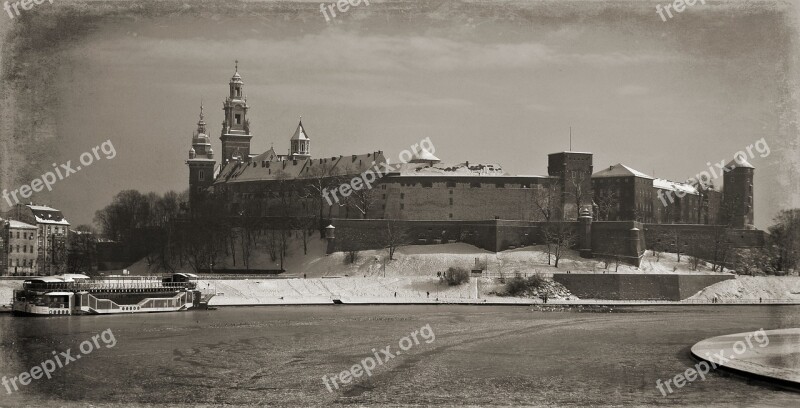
column 17, row 234
column 402, row 195
column 402, row 206
column 451, row 202
column 238, row 118
column 384, row 196
column 201, row 175
column 451, row 215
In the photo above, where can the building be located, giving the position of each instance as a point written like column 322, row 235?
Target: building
column 738, row 198
column 623, row 193
column 270, row 185
column 19, row 248
column 52, row 235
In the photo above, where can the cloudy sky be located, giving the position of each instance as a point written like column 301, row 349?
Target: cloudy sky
column 498, row 83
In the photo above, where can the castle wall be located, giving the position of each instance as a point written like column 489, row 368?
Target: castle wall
column 700, row 240
column 467, row 198
column 614, row 238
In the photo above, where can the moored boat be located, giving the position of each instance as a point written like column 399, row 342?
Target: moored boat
column 75, row 294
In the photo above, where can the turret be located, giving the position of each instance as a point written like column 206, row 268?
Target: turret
column 737, row 198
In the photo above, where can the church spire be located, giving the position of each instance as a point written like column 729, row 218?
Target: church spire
column 235, row 133
column 201, row 124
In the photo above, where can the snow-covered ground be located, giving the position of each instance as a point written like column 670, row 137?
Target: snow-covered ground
column 412, row 274
column 427, row 260
column 352, row 290
column 754, row 287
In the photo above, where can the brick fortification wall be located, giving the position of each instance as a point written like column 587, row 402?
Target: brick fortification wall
column 608, row 238
column 636, row 286
column 699, row 240
column 611, row 238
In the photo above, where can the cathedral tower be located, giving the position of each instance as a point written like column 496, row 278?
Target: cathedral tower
column 235, row 135
column 201, row 163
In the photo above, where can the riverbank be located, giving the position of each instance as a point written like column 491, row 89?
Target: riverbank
column 424, row 290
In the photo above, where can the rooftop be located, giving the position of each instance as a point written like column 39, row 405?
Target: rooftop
column 20, row 225
column 620, row 170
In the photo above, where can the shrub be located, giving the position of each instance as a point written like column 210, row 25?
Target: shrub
column 456, row 276
column 519, row 286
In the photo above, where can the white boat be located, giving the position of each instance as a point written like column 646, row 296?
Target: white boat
column 74, row 294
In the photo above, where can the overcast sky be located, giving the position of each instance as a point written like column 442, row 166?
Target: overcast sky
column 502, row 86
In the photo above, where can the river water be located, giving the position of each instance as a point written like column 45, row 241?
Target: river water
column 277, row 356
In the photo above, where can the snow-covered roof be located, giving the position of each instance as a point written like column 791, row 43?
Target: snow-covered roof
column 67, row 277
column 20, row 224
column 620, row 170
column 442, row 169
column 742, row 162
column 74, row 276
column 674, row 186
column 424, row 156
column 40, row 207
column 47, row 215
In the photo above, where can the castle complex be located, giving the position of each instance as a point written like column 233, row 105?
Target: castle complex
column 426, row 189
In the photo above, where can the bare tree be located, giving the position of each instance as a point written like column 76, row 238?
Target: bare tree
column 784, row 240
column 362, row 200
column 395, row 236
column 607, row 202
column 561, row 238
column 547, row 200
column 580, row 192
column 320, row 180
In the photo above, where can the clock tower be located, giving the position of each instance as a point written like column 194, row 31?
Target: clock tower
column 235, row 135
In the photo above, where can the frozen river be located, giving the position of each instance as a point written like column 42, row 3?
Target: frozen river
column 277, row 356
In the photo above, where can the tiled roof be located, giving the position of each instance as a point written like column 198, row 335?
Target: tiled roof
column 300, row 132
column 297, row 169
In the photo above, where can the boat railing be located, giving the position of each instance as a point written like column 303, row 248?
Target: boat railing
column 103, row 285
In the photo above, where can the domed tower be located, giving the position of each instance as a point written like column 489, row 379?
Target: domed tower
column 235, row 134
column 201, row 163
column 737, row 198
column 300, row 143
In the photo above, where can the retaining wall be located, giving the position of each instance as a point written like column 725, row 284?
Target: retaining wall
column 613, row 286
